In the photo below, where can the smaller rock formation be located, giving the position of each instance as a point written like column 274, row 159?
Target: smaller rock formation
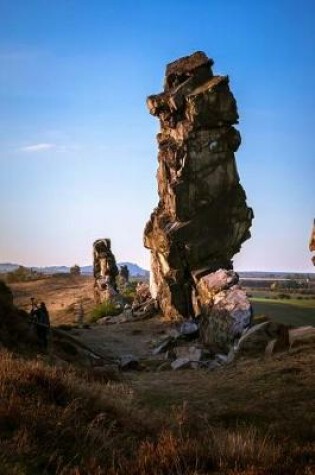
column 105, row 271
column 312, row 243
column 144, row 305
column 123, row 276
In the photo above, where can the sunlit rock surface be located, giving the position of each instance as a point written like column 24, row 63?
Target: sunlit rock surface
column 202, row 217
column 105, row 271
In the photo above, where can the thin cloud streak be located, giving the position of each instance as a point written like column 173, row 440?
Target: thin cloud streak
column 39, row 147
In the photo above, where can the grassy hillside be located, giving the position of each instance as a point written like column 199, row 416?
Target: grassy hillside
column 254, row 418
column 290, row 312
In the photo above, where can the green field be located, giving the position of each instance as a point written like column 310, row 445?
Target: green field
column 291, row 312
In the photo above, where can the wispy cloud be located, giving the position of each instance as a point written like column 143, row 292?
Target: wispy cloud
column 38, row 147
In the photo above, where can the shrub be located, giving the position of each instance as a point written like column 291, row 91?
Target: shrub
column 23, row 274
column 105, row 309
column 284, row 296
column 75, row 270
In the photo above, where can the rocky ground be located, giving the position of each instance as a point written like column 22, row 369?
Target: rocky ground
column 253, row 416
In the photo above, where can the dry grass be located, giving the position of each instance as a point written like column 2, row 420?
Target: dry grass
column 60, row 293
column 58, row 421
column 255, row 417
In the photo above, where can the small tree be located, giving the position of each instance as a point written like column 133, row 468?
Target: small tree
column 75, row 270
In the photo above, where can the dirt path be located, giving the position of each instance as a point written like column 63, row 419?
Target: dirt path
column 117, row 340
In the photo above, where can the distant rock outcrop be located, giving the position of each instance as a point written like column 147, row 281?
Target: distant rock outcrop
column 202, row 218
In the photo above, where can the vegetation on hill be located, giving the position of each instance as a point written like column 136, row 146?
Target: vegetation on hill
column 254, row 417
column 75, row 270
column 23, row 274
column 61, row 421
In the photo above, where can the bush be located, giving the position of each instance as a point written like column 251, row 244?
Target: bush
column 284, row 296
column 75, row 270
column 23, row 274
column 105, row 309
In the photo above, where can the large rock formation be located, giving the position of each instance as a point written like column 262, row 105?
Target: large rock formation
column 312, row 242
column 105, row 271
column 202, row 218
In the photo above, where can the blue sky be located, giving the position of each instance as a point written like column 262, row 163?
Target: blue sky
column 77, row 145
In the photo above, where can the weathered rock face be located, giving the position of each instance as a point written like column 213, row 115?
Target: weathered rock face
column 123, row 277
column 105, row 271
column 202, row 218
column 224, row 307
column 312, row 242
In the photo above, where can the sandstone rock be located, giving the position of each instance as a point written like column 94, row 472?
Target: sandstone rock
column 105, row 271
column 257, row 338
column 302, row 336
column 191, row 353
column 213, row 364
column 180, row 363
column 175, row 334
column 225, row 317
column 143, row 295
column 202, row 218
column 222, row 359
column 128, row 362
column 271, row 347
column 189, row 329
column 163, row 346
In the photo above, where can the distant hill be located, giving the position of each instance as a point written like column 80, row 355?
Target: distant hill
column 137, row 271
column 134, row 269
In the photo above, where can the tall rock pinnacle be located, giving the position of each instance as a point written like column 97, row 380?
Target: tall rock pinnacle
column 202, row 218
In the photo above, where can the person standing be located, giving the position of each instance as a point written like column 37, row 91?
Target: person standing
column 42, row 325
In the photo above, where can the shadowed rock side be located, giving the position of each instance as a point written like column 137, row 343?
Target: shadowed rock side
column 202, row 218
column 15, row 331
column 312, row 243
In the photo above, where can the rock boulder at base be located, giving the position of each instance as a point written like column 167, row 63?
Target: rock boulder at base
column 257, row 338
column 302, row 336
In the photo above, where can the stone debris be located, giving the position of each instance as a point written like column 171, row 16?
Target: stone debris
column 109, row 320
column 142, row 296
column 271, row 347
column 105, row 271
column 193, row 353
column 180, row 363
column 189, row 329
column 202, row 218
column 302, row 336
column 128, row 362
column 144, row 305
column 164, row 346
column 226, row 314
column 256, row 339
